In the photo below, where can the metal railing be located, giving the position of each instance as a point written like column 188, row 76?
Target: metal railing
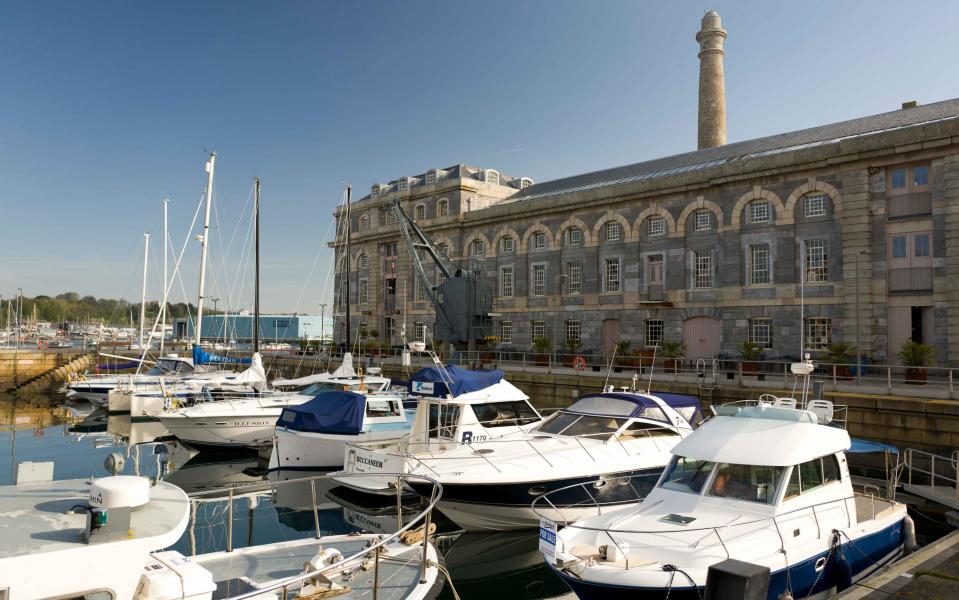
column 910, row 279
column 284, row 585
column 907, row 205
column 944, row 478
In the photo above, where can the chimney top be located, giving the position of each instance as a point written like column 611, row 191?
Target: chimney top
column 711, row 20
column 910, row 104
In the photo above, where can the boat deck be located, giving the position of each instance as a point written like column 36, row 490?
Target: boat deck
column 34, row 519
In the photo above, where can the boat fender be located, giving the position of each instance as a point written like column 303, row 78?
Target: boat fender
column 843, row 569
column 909, row 535
column 785, row 595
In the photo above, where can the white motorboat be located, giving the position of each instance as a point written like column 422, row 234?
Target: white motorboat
column 605, row 451
column 312, row 435
column 95, row 388
column 77, row 539
column 455, row 406
column 767, row 485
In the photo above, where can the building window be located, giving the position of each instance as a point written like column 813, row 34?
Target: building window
column 389, row 217
column 759, row 264
column 759, row 211
column 574, row 278
column 364, row 223
column 375, row 190
column 815, row 205
column 922, row 244
column 654, row 332
column 899, row 246
column 539, row 240
column 389, row 327
column 761, row 332
column 897, row 179
column 539, row 280
column 403, row 184
column 574, row 236
column 419, row 213
column 573, row 331
column 389, row 249
column 444, row 250
column 703, row 269
column 506, row 282
column 612, row 281
column 443, row 207
column 431, row 177
column 702, row 220
column 817, row 261
column 419, row 331
column 419, row 291
column 657, row 226
column 506, row 332
column 818, row 333
column 525, row 182
column 614, row 232
column 509, row 245
column 477, row 249
column 537, row 329
column 920, row 176
column 364, row 291
column 364, row 262
column 491, row 176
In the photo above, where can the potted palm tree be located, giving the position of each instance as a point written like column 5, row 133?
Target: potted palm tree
column 915, row 357
column 839, row 355
column 541, row 348
column 571, row 348
column 750, row 352
column 671, row 351
column 623, row 358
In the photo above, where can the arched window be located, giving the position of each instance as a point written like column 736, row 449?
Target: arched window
column 815, row 204
column 491, row 176
column 574, row 236
column 614, row 231
column 759, row 211
column 443, row 207
column 656, row 226
column 508, row 245
column 364, row 222
column 478, row 249
column 702, row 220
column 419, row 213
column 364, row 262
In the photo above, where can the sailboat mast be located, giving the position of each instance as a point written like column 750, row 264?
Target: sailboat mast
column 349, row 275
column 143, row 291
column 256, row 268
column 166, row 234
column 203, row 247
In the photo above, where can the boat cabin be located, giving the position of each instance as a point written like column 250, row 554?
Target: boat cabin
column 623, row 416
column 346, row 413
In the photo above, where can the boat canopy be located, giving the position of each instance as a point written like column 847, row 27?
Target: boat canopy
column 328, row 412
column 737, row 440
column 202, row 357
column 133, row 364
column 866, row 446
column 438, row 381
column 630, row 405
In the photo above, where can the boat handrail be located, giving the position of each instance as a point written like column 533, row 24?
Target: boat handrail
column 285, row 584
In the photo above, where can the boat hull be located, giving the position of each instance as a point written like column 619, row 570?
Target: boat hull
column 237, row 431
column 316, row 451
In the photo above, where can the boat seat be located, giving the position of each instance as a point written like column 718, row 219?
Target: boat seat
column 823, row 409
column 784, row 402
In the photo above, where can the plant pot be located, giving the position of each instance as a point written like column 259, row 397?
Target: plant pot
column 916, row 375
column 671, row 365
column 841, row 372
column 541, row 360
column 750, row 368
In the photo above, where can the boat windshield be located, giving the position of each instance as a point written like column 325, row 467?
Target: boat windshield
column 564, row 423
column 383, row 407
column 753, row 483
column 503, row 414
column 316, row 388
column 164, row 367
column 687, row 475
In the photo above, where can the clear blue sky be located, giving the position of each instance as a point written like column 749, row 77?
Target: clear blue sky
column 107, row 107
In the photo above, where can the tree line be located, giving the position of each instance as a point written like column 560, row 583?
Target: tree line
column 71, row 307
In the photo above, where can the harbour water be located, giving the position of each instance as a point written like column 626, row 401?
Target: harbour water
column 78, row 439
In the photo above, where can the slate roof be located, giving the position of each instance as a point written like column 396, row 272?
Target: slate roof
column 745, row 150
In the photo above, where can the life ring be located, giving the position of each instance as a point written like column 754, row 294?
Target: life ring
column 42, row 344
column 579, row 363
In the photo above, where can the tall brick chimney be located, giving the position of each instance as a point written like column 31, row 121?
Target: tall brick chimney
column 712, row 85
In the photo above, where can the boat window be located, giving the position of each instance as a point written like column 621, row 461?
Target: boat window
column 687, row 412
column 687, row 474
column 557, row 422
column 590, row 426
column 812, row 475
column 755, row 483
column 640, row 429
column 653, row 412
column 603, row 405
column 501, row 414
column 315, row 388
column 183, row 368
column 381, row 407
column 443, row 420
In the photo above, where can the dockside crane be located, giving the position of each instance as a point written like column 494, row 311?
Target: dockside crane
column 463, row 300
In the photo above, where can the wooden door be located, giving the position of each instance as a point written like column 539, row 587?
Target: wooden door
column 654, row 276
column 702, row 337
column 611, row 332
column 900, row 330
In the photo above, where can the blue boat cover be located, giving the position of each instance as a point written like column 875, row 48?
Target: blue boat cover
column 328, row 412
column 865, row 446
column 133, row 364
column 202, row 357
column 452, row 379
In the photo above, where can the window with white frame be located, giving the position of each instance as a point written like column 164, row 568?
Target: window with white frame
column 364, row 262
column 761, row 332
column 657, row 226
column 574, row 278
column 818, row 334
column 815, row 204
column 817, row 261
column 537, row 329
column 538, row 286
column 614, row 231
column 612, row 283
column 431, row 177
column 759, row 211
column 506, row 281
column 491, row 176
column 525, row 182
column 389, row 249
column 702, row 269
column 574, row 236
column 539, row 240
column 403, row 184
column 443, row 207
column 419, row 213
column 506, row 332
column 419, row 291
column 375, row 190
column 364, row 291
column 419, row 331
column 364, row 222
column 477, row 249
column 573, row 331
column 702, row 220
column 390, row 217
column 759, row 264
column 654, row 332
column 508, row 245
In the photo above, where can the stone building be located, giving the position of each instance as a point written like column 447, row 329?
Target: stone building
column 847, row 232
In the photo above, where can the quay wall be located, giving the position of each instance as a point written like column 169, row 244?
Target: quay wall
column 19, row 366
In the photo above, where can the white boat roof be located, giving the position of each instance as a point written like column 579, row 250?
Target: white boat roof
column 752, row 439
column 502, row 391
